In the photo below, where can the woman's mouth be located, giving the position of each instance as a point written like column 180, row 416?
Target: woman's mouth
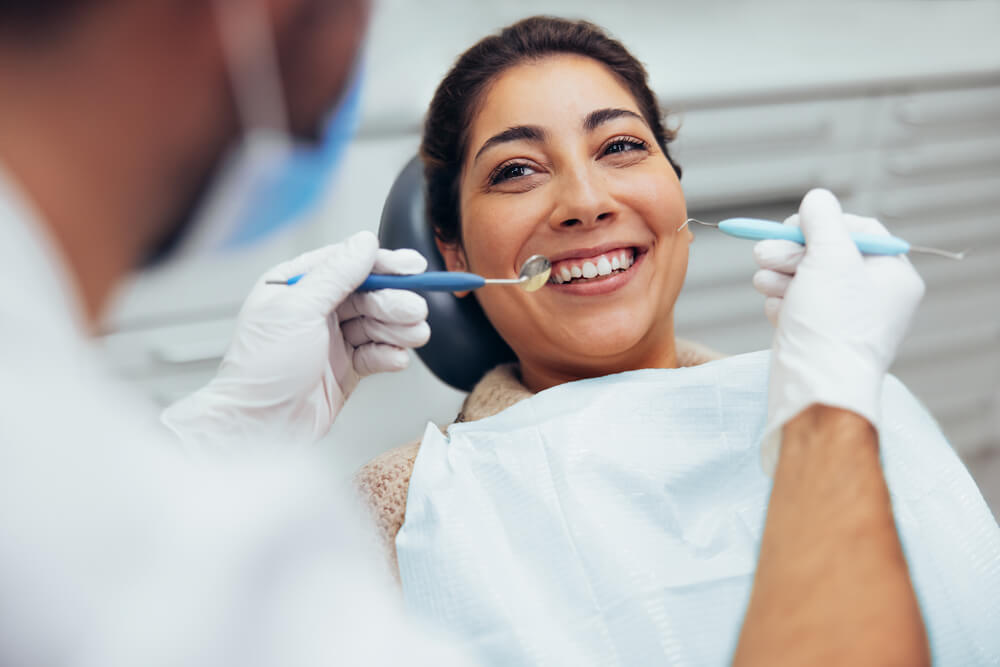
column 589, row 268
column 597, row 274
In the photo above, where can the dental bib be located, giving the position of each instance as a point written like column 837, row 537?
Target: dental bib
column 617, row 521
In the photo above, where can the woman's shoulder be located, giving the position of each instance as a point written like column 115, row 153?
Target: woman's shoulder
column 383, row 484
column 384, row 481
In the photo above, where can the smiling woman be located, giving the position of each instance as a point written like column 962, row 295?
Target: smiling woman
column 546, row 139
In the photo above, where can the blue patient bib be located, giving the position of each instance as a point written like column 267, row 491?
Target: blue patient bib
column 617, row 520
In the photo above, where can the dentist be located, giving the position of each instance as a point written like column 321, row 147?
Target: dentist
column 132, row 133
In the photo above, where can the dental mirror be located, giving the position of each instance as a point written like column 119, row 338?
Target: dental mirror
column 534, row 274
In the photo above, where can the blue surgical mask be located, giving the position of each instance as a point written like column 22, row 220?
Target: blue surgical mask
column 294, row 183
column 270, row 180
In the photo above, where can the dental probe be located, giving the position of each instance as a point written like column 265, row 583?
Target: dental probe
column 534, row 274
column 869, row 244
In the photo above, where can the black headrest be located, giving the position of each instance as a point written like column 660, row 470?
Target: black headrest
column 463, row 345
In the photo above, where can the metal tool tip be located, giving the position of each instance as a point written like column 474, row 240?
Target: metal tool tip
column 941, row 253
column 700, row 222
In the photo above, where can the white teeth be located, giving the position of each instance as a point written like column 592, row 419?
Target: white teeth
column 604, row 265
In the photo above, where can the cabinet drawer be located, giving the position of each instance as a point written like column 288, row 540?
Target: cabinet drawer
column 933, row 202
column 929, row 115
column 768, row 131
column 977, row 157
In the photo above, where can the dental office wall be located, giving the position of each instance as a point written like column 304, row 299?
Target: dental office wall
column 895, row 106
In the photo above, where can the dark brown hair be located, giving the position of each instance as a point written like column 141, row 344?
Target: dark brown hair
column 456, row 100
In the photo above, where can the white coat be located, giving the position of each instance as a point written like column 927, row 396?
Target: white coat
column 117, row 548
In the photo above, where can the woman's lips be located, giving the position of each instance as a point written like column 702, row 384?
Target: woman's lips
column 600, row 284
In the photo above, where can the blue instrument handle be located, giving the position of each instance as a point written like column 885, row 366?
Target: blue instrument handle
column 430, row 281
column 759, row 230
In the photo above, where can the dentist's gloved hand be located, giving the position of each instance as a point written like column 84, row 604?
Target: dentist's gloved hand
column 300, row 350
column 840, row 316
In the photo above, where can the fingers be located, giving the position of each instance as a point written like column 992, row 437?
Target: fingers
column 332, row 280
column 399, row 262
column 857, row 224
column 391, row 306
column 305, row 262
column 771, row 283
column 827, row 231
column 330, row 274
column 379, row 358
column 822, row 224
column 784, row 256
column 777, row 255
column 362, row 330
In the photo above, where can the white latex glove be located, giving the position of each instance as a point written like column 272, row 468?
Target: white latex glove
column 840, row 316
column 300, row 350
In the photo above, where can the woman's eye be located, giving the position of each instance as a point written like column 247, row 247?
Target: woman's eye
column 624, row 145
column 510, row 171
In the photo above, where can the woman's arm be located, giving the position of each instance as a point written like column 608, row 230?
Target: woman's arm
column 832, row 586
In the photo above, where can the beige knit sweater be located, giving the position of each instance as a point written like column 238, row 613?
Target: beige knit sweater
column 383, row 482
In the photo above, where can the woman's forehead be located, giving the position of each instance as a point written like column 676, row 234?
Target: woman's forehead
column 555, row 92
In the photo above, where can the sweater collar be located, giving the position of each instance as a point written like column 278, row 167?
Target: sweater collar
column 502, row 387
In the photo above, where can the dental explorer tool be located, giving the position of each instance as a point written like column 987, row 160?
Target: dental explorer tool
column 534, row 274
column 869, row 244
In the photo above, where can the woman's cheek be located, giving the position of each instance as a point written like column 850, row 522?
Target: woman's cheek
column 660, row 200
column 498, row 235
column 477, row 233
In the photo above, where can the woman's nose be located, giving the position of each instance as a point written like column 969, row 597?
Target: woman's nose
column 583, row 201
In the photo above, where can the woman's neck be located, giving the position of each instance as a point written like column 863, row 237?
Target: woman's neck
column 538, row 376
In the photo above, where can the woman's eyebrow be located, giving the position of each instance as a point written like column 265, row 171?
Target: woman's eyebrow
column 597, row 118
column 517, row 133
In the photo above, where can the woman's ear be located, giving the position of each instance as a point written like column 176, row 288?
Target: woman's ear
column 454, row 259
column 687, row 230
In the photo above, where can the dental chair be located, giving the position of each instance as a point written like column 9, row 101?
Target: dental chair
column 463, row 344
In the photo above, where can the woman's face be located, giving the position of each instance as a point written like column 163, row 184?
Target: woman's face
column 561, row 163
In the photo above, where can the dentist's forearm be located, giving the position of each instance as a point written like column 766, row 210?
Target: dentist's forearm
column 832, row 586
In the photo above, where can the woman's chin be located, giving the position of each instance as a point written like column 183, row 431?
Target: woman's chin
column 603, row 354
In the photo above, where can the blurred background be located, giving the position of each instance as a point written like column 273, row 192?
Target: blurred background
column 895, row 106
